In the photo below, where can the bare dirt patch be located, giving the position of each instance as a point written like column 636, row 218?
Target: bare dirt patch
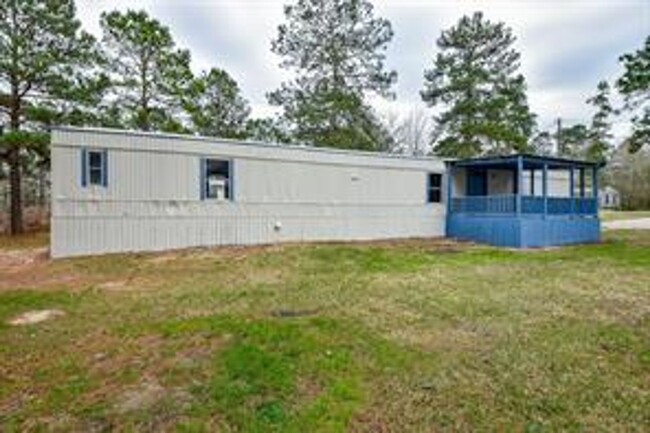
column 142, row 397
column 16, row 260
column 459, row 339
column 31, row 268
column 117, row 285
column 36, row 316
column 309, row 389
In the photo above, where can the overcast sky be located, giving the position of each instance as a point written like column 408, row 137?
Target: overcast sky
column 567, row 46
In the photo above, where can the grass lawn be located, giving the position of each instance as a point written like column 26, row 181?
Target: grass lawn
column 615, row 215
column 396, row 336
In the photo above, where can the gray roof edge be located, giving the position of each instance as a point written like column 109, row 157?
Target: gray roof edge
column 205, row 139
column 511, row 158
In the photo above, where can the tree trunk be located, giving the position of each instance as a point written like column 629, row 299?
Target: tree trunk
column 13, row 159
column 42, row 178
column 144, row 95
column 15, row 191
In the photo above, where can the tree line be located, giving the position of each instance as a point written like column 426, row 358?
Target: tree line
column 135, row 76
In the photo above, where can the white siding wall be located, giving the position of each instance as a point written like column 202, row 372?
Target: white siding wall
column 558, row 183
column 460, row 182
column 501, row 182
column 152, row 201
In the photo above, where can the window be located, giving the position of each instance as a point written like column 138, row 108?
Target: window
column 216, row 182
column 94, row 167
column 434, row 188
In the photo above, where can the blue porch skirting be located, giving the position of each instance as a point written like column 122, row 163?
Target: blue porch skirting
column 527, row 231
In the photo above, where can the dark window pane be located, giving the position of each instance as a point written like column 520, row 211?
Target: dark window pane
column 95, row 176
column 435, row 180
column 95, row 167
column 435, row 186
column 95, row 160
column 434, row 195
column 217, row 167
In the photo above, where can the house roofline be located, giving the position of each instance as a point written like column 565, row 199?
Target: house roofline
column 262, row 144
column 555, row 161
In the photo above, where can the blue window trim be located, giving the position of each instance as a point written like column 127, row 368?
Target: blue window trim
column 85, row 167
column 203, row 162
column 84, row 171
column 203, row 177
column 105, row 168
column 430, row 187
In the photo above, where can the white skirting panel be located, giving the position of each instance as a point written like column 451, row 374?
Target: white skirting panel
column 88, row 228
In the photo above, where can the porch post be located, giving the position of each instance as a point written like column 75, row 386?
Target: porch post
column 450, row 187
column 532, row 181
column 545, row 188
column 520, row 182
column 594, row 184
column 571, row 189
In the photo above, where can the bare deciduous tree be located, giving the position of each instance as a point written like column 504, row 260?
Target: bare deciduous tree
column 411, row 132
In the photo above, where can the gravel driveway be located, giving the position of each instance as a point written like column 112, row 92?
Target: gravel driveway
column 636, row 224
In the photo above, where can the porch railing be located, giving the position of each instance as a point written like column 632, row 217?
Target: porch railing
column 484, row 204
column 507, row 204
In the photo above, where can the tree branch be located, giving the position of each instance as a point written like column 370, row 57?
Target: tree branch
column 27, row 88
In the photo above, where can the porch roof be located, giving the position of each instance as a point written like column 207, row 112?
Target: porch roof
column 529, row 162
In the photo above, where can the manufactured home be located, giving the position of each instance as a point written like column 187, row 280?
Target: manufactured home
column 119, row 191
column 116, row 191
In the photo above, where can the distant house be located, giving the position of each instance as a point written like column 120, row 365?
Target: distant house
column 119, row 191
column 609, row 198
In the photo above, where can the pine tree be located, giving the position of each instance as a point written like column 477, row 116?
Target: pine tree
column 215, row 105
column 268, row 130
column 634, row 84
column 46, row 74
column 542, row 143
column 337, row 49
column 474, row 82
column 600, row 135
column 573, row 141
column 149, row 74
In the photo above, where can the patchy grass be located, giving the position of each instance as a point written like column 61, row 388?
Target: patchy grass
column 387, row 336
column 615, row 215
column 40, row 239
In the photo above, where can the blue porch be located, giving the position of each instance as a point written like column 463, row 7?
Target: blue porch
column 523, row 201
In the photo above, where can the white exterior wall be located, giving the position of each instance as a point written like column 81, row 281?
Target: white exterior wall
column 459, row 182
column 500, row 182
column 558, row 183
column 281, row 193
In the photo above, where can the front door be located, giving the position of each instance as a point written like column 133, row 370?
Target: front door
column 476, row 182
